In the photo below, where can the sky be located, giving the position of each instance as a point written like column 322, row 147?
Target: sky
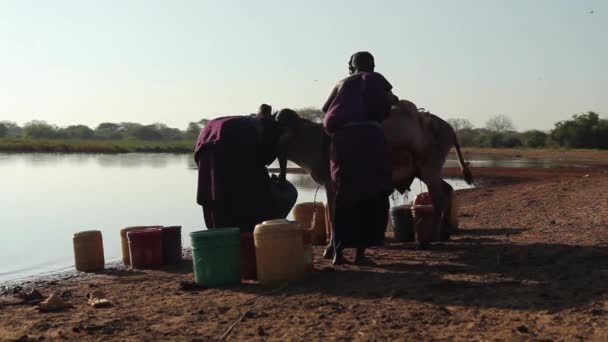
column 176, row 61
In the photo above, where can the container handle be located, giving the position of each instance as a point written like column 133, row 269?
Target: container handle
column 314, row 207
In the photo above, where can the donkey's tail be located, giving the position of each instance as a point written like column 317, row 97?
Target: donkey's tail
column 464, row 166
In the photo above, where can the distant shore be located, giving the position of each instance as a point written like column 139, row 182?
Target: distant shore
column 187, row 146
column 94, row 146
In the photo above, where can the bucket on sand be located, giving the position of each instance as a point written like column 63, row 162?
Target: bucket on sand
column 423, row 223
column 88, row 251
column 216, row 256
column 172, row 245
column 451, row 220
column 126, row 259
column 403, row 223
column 248, row 263
column 146, row 248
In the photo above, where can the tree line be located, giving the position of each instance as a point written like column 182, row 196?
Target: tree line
column 105, row 131
column 585, row 130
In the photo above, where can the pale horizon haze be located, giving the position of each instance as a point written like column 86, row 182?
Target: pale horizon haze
column 87, row 62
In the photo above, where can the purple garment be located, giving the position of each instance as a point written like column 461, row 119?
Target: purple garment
column 361, row 224
column 233, row 182
column 357, row 98
column 359, row 153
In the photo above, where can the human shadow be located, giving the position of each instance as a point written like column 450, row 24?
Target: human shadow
column 501, row 274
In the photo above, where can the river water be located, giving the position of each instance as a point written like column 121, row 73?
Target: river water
column 46, row 198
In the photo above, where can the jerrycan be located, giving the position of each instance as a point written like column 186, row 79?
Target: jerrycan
column 279, row 250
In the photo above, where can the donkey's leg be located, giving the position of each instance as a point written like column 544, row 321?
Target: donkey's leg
column 447, row 212
column 435, row 185
column 331, row 198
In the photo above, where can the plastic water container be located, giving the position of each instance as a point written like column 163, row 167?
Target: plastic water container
column 311, row 215
column 146, row 248
column 172, row 245
column 279, row 250
column 88, row 251
column 403, row 223
column 452, row 220
column 423, row 223
column 216, row 256
column 126, row 258
column 248, row 261
column 423, row 198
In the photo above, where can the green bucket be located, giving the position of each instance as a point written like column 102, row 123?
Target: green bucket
column 216, row 256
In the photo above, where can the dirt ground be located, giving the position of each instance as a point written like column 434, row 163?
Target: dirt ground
column 530, row 263
column 579, row 156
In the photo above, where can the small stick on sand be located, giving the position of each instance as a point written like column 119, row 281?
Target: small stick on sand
column 235, row 324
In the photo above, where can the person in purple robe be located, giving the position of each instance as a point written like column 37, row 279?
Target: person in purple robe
column 359, row 157
column 234, row 188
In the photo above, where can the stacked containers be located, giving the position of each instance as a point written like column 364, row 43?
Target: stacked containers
column 126, row 259
column 172, row 244
column 279, row 252
column 146, row 247
column 88, row 251
column 311, row 215
column 216, row 256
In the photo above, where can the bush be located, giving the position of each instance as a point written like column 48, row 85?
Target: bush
column 582, row 131
column 40, row 130
column 534, row 138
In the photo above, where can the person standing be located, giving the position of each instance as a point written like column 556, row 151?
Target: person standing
column 359, row 157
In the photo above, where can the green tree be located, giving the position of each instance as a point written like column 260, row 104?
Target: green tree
column 582, row 131
column 192, row 131
column 110, row 131
column 466, row 137
column 12, row 129
column 3, row 130
column 600, row 133
column 38, row 129
column 129, row 129
column 534, row 138
column 81, row 132
column 464, row 130
column 460, row 124
column 168, row 133
column 148, row 132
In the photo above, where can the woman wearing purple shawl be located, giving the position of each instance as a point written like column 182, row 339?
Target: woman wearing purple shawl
column 359, row 156
column 234, row 187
